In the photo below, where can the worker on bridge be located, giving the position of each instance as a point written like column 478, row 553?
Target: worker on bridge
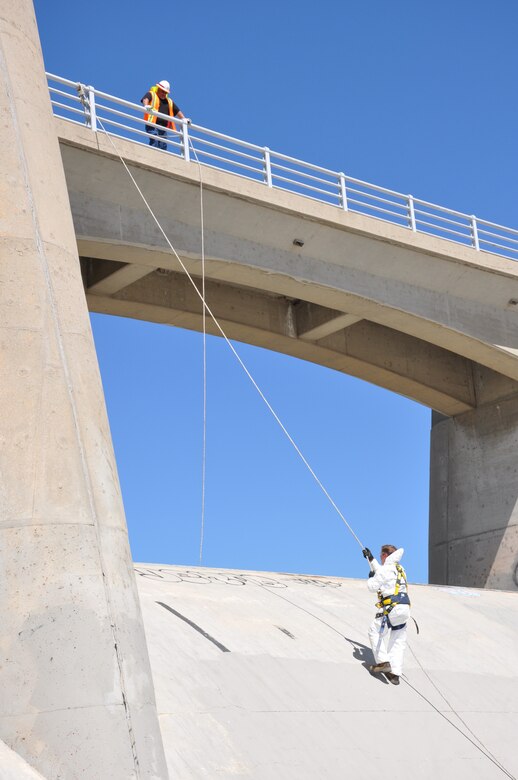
column 387, row 633
column 157, row 98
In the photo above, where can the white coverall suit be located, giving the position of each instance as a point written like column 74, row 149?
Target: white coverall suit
column 384, row 580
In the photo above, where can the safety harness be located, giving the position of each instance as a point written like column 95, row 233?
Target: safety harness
column 400, row 596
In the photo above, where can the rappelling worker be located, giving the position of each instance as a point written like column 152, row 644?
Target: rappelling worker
column 387, row 632
column 158, row 99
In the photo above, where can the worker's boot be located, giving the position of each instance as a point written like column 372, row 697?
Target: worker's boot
column 392, row 678
column 383, row 667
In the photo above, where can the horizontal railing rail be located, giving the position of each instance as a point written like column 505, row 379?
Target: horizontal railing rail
column 80, row 103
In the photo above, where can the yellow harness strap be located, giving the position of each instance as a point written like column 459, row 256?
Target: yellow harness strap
column 386, row 603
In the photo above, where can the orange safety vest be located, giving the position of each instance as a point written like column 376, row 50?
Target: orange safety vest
column 155, row 105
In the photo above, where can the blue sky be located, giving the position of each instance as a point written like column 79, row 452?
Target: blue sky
column 417, row 97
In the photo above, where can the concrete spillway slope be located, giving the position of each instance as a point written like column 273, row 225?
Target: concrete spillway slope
column 262, row 676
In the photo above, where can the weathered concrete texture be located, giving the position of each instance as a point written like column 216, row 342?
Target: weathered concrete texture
column 286, row 693
column 473, row 497
column 13, row 767
column 76, row 694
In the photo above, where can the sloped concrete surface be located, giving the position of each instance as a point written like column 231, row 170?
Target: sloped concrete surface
column 13, row 767
column 262, row 676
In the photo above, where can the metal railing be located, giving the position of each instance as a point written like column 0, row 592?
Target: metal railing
column 83, row 104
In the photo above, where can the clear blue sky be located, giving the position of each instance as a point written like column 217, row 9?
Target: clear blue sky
column 418, row 97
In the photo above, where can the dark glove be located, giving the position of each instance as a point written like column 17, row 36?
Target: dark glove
column 367, row 554
column 371, row 574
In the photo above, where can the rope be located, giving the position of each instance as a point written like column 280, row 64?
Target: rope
column 227, row 340
column 481, row 747
column 204, row 326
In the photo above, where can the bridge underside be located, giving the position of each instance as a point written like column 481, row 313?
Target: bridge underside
column 436, row 377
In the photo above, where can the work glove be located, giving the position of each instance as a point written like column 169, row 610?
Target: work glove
column 367, row 554
column 371, row 574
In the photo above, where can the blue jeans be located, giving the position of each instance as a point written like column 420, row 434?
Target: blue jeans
column 156, row 130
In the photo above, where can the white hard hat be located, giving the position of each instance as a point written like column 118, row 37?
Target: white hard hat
column 165, row 85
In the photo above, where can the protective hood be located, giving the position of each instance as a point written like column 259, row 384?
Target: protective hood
column 395, row 557
column 386, row 575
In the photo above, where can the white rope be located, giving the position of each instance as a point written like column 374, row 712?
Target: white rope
column 480, row 746
column 204, row 325
column 230, row 345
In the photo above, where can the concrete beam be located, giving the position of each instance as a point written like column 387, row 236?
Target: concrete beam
column 108, row 277
column 317, row 322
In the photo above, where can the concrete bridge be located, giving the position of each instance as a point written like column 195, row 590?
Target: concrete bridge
column 427, row 318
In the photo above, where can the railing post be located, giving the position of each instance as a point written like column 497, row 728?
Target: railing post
column 474, row 232
column 267, row 167
column 343, row 191
column 411, row 213
column 185, row 141
column 91, row 108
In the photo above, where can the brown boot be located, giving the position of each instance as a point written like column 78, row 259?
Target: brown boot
column 384, row 667
column 392, row 678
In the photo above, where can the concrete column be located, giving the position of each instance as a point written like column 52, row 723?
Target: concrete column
column 473, row 497
column 77, row 698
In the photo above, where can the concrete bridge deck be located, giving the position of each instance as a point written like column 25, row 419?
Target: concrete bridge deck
column 285, row 694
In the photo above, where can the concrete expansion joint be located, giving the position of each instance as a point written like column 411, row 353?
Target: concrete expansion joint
column 33, row 523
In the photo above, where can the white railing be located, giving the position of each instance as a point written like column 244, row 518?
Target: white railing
column 83, row 104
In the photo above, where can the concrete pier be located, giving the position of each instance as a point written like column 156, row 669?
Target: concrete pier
column 473, row 497
column 77, row 697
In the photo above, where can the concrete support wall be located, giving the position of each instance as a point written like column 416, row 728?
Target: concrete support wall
column 77, row 699
column 474, row 497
